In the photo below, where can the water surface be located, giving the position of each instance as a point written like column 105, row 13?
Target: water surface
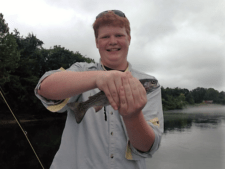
column 193, row 138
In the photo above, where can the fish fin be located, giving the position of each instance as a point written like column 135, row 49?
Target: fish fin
column 78, row 111
column 73, row 105
column 98, row 108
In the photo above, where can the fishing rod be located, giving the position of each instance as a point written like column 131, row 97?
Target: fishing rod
column 24, row 132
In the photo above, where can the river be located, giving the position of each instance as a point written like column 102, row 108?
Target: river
column 194, row 138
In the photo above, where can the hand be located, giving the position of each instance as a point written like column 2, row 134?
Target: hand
column 110, row 82
column 132, row 96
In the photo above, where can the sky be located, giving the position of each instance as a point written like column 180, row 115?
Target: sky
column 181, row 43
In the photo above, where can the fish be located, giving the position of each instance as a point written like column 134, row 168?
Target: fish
column 99, row 100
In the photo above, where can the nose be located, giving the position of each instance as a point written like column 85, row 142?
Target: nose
column 112, row 40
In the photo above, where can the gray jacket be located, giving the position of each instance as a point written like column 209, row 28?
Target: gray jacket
column 95, row 142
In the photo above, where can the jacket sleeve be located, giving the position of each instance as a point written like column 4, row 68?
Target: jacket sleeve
column 58, row 105
column 154, row 116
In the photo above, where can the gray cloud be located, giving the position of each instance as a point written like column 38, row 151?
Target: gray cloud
column 179, row 42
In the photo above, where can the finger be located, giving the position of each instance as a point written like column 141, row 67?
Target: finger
column 102, row 84
column 110, row 98
column 128, row 92
column 129, row 74
column 142, row 92
column 113, row 93
column 118, row 84
column 134, row 86
column 118, row 81
column 123, row 101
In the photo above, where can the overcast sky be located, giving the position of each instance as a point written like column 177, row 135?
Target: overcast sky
column 180, row 42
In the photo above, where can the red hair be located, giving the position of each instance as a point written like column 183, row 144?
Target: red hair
column 111, row 19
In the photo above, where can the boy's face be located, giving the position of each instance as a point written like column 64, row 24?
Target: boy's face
column 113, row 44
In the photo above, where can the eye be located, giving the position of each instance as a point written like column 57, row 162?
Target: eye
column 104, row 37
column 153, row 81
column 119, row 35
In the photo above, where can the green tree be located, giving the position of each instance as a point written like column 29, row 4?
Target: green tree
column 173, row 98
column 190, row 98
column 9, row 58
column 4, row 29
column 211, row 94
column 180, row 101
column 60, row 57
column 221, row 98
column 198, row 94
column 23, row 61
column 9, row 55
column 26, row 75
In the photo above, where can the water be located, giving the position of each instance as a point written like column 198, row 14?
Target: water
column 15, row 151
column 193, row 138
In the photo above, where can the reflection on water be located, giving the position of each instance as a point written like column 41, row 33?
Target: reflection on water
column 15, row 151
column 193, row 138
column 206, row 117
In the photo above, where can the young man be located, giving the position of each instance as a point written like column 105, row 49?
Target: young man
column 120, row 135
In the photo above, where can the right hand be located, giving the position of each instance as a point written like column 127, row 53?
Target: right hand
column 110, row 82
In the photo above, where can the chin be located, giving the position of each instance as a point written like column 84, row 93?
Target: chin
column 114, row 62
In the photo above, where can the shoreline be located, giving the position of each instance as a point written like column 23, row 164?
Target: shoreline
column 29, row 118
column 198, row 108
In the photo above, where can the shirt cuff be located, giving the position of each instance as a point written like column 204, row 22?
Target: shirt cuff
column 147, row 154
column 133, row 154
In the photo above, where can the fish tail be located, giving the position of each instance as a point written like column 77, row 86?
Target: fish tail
column 79, row 111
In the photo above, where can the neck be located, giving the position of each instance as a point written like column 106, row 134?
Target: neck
column 106, row 68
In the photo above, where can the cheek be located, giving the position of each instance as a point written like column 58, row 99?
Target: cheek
column 101, row 48
column 126, row 44
column 101, row 45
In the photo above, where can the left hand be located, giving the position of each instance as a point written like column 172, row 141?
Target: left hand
column 132, row 95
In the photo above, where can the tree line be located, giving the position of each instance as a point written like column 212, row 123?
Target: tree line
column 178, row 98
column 23, row 61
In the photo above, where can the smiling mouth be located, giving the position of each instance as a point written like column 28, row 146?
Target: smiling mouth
column 111, row 50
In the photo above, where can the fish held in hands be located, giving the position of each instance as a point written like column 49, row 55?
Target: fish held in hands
column 99, row 100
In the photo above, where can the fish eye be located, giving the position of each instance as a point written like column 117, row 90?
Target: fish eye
column 153, row 81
